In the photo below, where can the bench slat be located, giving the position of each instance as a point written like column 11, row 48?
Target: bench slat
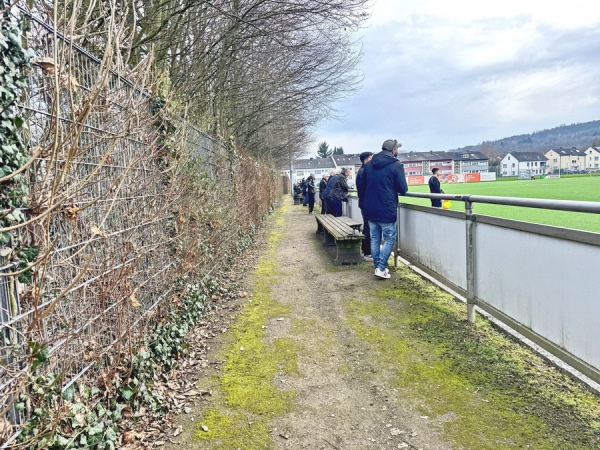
column 338, row 229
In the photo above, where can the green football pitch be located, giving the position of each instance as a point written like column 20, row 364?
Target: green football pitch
column 566, row 188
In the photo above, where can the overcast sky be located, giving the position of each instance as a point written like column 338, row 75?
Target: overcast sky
column 442, row 74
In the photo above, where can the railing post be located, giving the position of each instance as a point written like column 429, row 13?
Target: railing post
column 470, row 218
column 397, row 252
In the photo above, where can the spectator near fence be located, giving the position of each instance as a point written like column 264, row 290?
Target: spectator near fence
column 330, row 183
column 435, row 187
column 310, row 192
column 339, row 193
column 382, row 180
column 365, row 157
column 304, row 192
column 322, row 186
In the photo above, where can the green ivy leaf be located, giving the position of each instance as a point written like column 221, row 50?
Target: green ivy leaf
column 96, row 429
column 126, row 393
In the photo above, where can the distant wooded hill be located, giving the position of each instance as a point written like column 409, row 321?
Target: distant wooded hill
column 580, row 135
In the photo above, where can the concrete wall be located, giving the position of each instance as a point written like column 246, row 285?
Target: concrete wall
column 537, row 279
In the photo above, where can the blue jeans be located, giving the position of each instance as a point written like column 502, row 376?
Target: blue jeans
column 386, row 232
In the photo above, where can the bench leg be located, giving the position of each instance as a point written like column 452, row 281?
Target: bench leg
column 319, row 228
column 347, row 252
column 328, row 240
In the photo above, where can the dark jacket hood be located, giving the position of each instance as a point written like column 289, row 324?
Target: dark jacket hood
column 383, row 159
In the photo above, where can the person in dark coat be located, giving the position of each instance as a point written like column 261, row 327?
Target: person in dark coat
column 435, row 187
column 381, row 182
column 322, row 186
column 330, row 184
column 310, row 190
column 304, row 192
column 297, row 188
column 365, row 157
column 338, row 193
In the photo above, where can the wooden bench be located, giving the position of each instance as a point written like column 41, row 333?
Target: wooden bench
column 351, row 222
column 345, row 238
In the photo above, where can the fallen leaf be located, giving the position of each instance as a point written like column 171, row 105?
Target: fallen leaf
column 129, row 437
column 71, row 213
column 80, row 419
column 134, row 301
column 97, row 231
column 177, row 431
column 47, row 65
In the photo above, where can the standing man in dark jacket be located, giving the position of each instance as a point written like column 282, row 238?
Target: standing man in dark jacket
column 338, row 193
column 435, row 187
column 365, row 157
column 310, row 190
column 304, row 192
column 326, row 194
column 322, row 186
column 381, row 182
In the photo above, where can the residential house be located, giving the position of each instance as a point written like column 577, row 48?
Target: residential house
column 421, row 163
column 592, row 158
column 350, row 161
column 565, row 159
column 302, row 168
column 529, row 163
column 470, row 162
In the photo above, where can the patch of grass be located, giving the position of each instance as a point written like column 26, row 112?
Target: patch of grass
column 247, row 383
column 233, row 430
column 487, row 391
column 584, row 188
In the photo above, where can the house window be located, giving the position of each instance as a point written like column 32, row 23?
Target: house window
column 555, row 160
column 513, row 164
column 504, row 166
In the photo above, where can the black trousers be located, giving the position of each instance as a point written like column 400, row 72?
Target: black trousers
column 311, row 201
column 366, row 242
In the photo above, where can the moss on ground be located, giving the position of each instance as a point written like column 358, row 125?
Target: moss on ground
column 484, row 390
column 250, row 398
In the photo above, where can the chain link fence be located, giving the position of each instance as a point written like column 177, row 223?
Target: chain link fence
column 117, row 205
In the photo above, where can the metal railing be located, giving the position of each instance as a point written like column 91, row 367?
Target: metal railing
column 469, row 200
column 534, row 278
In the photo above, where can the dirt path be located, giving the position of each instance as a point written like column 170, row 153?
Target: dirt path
column 341, row 398
column 344, row 400
column 325, row 357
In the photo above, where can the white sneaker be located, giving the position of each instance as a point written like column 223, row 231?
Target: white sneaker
column 382, row 273
column 368, row 258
